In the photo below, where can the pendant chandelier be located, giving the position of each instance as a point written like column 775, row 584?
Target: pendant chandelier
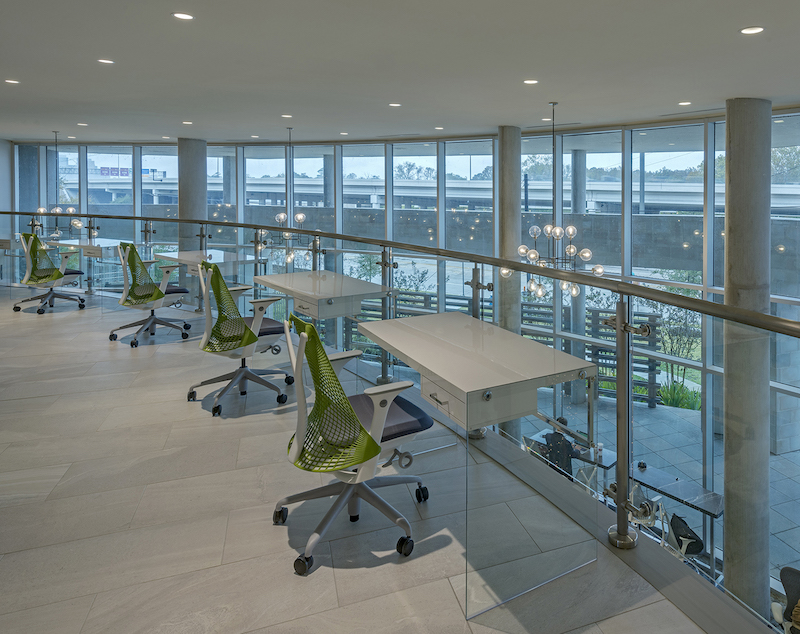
column 553, row 245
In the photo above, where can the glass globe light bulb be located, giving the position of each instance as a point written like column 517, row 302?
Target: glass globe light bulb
column 94, row 233
column 535, row 231
column 280, row 218
column 56, row 233
column 571, row 232
column 548, row 229
column 571, row 250
column 70, row 210
column 260, row 246
column 57, row 209
column 574, row 290
column 558, row 233
column 522, row 250
column 300, row 218
column 287, row 235
column 77, row 223
column 585, row 255
column 542, row 263
column 532, row 255
column 598, row 270
column 540, row 290
column 564, row 285
column 307, row 256
column 506, row 273
column 532, row 286
column 270, row 242
column 41, row 210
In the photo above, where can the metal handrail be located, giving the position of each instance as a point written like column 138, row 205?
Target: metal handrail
column 752, row 318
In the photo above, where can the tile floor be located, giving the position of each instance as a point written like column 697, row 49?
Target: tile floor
column 125, row 508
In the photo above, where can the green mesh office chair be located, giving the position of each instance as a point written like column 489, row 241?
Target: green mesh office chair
column 237, row 337
column 344, row 436
column 141, row 292
column 40, row 272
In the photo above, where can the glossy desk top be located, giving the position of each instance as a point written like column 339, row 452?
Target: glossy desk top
column 321, row 285
column 83, row 242
column 689, row 493
column 215, row 256
column 471, row 355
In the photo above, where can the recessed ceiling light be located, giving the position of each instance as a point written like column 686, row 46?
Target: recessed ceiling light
column 438, row 128
column 395, row 105
column 752, row 30
column 684, row 103
column 11, row 81
column 187, row 123
column 344, row 133
column 778, row 121
column 183, row 16
column 286, row 116
column 531, row 81
column 70, row 137
column 672, row 144
column 253, row 136
column 547, row 119
column 164, row 137
column 643, row 134
column 106, row 61
column 83, row 124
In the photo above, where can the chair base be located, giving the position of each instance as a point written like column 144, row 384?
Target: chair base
column 239, row 378
column 350, row 495
column 49, row 298
column 149, row 324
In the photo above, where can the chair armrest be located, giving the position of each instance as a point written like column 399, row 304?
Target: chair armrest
column 777, row 612
column 149, row 262
column 236, row 291
column 382, row 397
column 260, row 309
column 167, row 269
column 340, row 359
column 65, row 255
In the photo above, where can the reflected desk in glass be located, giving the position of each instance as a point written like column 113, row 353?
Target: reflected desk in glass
column 93, row 249
column 324, row 294
column 684, row 491
column 475, row 372
column 192, row 259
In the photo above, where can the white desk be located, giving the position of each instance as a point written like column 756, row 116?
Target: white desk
column 324, row 294
column 472, row 371
column 91, row 247
column 192, row 259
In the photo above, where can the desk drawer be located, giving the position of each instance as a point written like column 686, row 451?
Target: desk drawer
column 444, row 401
column 309, row 309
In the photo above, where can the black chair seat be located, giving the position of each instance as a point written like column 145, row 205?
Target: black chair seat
column 174, row 290
column 72, row 272
column 268, row 326
column 404, row 418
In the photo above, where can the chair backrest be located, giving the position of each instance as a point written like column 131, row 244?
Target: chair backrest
column 39, row 267
column 229, row 331
column 139, row 288
column 790, row 578
column 331, row 437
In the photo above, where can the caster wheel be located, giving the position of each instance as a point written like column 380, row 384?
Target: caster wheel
column 279, row 517
column 17, row 309
column 405, row 545
column 282, row 399
column 40, row 311
column 243, row 393
column 112, row 336
column 421, row 493
column 191, row 396
column 187, row 326
column 303, row 564
column 276, row 349
column 81, row 301
column 289, row 380
column 184, row 335
column 216, row 410
column 134, row 344
column 354, row 518
column 81, row 306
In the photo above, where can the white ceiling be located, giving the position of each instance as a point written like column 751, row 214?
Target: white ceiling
column 335, row 65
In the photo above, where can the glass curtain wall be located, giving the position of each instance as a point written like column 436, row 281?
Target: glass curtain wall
column 160, row 190
column 314, row 195
column 110, row 189
column 221, row 192
column 265, row 184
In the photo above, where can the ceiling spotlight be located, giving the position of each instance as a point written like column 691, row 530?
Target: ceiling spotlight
column 778, row 121
column 70, row 137
column 253, row 136
column 546, row 119
column 438, row 128
column 643, row 134
column 752, row 30
column 395, row 105
column 286, row 116
column 531, row 81
column 11, row 81
column 684, row 103
column 83, row 124
column 164, row 137
column 183, row 16
column 187, row 123
column 106, row 61
column 343, row 133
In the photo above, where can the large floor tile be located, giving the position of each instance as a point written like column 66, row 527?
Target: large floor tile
column 234, row 598
column 29, row 485
column 118, row 472
column 427, row 609
column 55, row 573
column 59, row 450
column 65, row 617
column 66, row 385
column 667, row 617
column 548, row 526
column 206, row 428
column 20, row 426
column 56, row 521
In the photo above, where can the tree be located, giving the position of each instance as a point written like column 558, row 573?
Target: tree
column 366, row 267
column 412, row 172
column 416, row 280
column 486, row 175
column 455, row 177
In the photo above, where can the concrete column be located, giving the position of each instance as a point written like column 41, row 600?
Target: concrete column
column 28, row 168
column 746, row 354
column 577, row 393
column 508, row 295
column 228, row 179
column 192, row 199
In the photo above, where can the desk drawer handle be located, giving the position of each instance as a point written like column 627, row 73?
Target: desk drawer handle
column 433, row 396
